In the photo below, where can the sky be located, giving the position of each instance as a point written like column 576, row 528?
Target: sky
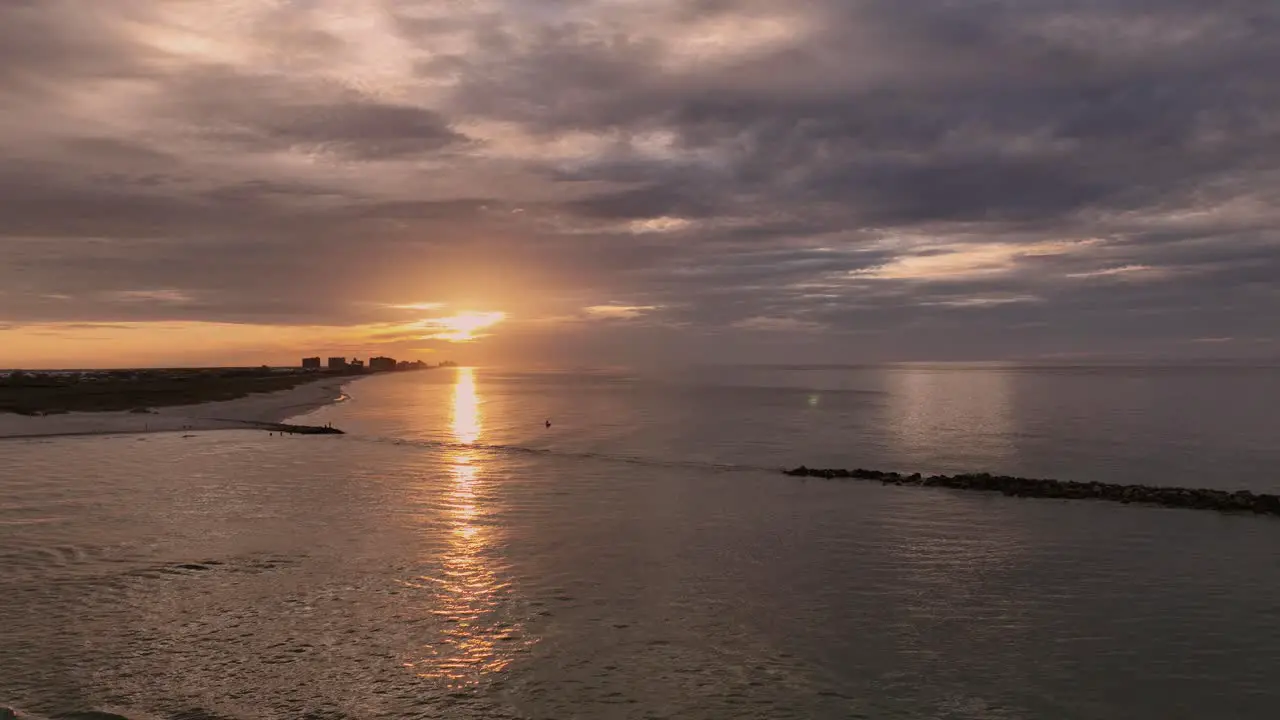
column 613, row 182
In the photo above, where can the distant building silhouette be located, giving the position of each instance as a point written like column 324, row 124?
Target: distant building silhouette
column 337, row 363
column 355, row 364
column 382, row 364
column 311, row 363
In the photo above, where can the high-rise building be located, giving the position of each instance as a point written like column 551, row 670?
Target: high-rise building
column 337, row 363
column 382, row 364
column 311, row 363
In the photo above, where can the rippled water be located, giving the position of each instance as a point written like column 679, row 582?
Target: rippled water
column 451, row 557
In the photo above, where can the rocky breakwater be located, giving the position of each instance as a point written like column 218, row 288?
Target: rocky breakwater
column 1191, row 498
column 289, row 429
column 304, row 429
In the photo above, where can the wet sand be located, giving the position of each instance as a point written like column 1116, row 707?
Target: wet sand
column 225, row 415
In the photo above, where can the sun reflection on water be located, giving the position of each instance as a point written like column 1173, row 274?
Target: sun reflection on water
column 466, row 407
column 951, row 420
column 471, row 593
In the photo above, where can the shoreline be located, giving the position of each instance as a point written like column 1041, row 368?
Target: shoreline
column 238, row 414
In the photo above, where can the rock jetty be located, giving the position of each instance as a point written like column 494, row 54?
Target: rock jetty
column 300, row 429
column 1191, row 498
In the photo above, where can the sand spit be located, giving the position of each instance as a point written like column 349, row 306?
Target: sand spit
column 1190, row 498
column 248, row 411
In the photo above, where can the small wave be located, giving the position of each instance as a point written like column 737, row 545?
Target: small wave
column 30, row 521
column 502, row 449
column 54, row 556
column 10, row 711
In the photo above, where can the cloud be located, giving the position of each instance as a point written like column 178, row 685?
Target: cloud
column 618, row 312
column 156, row 296
column 416, row 306
column 459, row 327
column 659, row 225
column 966, row 260
column 985, row 302
column 357, row 129
column 776, row 324
column 956, row 179
column 1122, row 272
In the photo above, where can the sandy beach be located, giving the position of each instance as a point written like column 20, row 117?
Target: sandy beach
column 228, row 414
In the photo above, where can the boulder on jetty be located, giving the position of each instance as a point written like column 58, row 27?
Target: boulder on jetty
column 1191, row 498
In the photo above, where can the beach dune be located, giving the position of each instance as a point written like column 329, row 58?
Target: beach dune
column 227, row 414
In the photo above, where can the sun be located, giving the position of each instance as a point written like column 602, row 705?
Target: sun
column 463, row 326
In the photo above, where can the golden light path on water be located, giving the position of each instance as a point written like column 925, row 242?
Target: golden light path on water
column 474, row 641
column 466, row 419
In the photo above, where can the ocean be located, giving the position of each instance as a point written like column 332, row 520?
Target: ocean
column 453, row 557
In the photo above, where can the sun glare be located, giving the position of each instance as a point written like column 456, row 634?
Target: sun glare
column 464, row 326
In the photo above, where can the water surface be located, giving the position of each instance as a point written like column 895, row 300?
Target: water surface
column 452, row 557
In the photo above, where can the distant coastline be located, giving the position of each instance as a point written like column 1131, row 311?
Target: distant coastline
column 246, row 411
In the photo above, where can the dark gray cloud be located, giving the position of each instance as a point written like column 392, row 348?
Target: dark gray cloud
column 955, row 180
column 362, row 130
column 259, row 113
